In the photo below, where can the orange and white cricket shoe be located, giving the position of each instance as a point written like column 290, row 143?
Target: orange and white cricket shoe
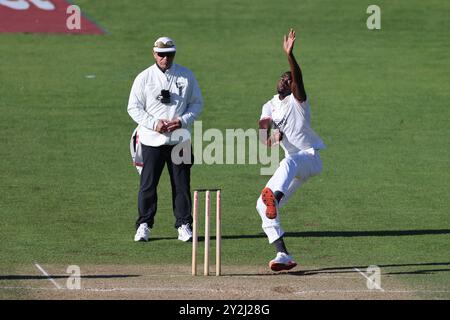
column 282, row 262
column 268, row 198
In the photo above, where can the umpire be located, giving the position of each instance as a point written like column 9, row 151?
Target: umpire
column 164, row 97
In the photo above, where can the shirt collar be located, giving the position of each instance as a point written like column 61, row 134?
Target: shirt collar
column 169, row 71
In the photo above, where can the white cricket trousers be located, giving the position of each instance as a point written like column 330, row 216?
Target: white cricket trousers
column 294, row 170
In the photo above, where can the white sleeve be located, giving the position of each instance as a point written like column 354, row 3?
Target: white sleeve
column 136, row 105
column 266, row 112
column 194, row 105
column 304, row 104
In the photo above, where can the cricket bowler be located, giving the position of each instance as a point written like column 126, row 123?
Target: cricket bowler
column 286, row 119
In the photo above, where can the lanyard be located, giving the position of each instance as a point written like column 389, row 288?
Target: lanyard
column 169, row 79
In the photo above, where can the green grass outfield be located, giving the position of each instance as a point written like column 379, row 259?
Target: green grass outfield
column 380, row 101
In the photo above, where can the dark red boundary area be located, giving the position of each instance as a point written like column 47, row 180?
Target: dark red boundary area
column 36, row 20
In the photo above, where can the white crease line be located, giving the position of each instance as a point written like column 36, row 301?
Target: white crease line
column 376, row 285
column 48, row 276
column 306, row 277
column 133, row 289
column 219, row 290
column 251, row 276
column 371, row 291
column 168, row 289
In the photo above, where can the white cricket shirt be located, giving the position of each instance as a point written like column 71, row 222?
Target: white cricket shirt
column 293, row 119
column 146, row 109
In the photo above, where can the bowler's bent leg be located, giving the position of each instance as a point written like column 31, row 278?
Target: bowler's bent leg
column 280, row 181
column 293, row 171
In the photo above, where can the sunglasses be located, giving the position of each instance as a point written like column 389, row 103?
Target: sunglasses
column 165, row 54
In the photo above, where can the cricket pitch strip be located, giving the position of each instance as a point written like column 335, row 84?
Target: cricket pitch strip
column 173, row 282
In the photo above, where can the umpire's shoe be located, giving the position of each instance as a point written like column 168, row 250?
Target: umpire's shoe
column 185, row 232
column 142, row 233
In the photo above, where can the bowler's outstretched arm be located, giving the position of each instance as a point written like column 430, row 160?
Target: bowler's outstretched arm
column 297, row 86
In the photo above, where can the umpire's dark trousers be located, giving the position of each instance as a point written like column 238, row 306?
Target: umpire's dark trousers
column 180, row 178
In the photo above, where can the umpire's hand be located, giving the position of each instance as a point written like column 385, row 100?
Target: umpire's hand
column 173, row 125
column 161, row 127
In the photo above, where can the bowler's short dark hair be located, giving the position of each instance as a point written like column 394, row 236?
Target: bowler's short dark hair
column 286, row 74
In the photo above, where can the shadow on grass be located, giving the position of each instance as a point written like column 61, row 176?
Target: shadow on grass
column 381, row 233
column 419, row 272
column 352, row 270
column 340, row 270
column 332, row 234
column 36, row 277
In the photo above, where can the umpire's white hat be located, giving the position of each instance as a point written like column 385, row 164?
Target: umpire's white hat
column 164, row 44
